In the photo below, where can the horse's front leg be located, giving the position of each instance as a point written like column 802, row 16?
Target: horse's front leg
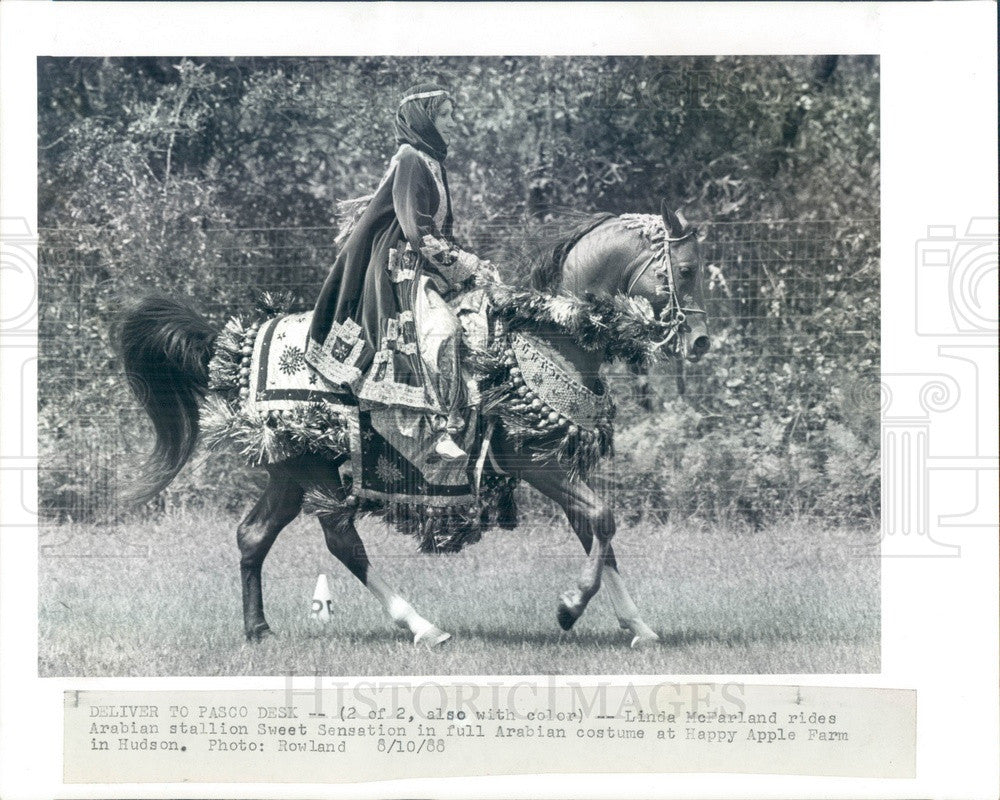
column 625, row 608
column 343, row 541
column 591, row 520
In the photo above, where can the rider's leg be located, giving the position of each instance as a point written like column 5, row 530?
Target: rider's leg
column 439, row 334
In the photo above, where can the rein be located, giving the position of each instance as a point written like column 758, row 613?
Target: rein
column 674, row 315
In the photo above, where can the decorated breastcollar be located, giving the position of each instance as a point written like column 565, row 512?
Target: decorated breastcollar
column 619, row 327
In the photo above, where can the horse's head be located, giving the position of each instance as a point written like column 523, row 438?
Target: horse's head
column 641, row 255
column 674, row 286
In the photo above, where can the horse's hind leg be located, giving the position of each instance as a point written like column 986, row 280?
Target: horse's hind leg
column 279, row 504
column 625, row 608
column 344, row 542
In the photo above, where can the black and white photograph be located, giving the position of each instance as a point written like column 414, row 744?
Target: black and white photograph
column 425, row 326
column 499, row 400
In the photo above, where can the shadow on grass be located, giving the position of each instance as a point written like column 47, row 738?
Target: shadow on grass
column 615, row 638
column 460, row 635
column 596, row 639
column 555, row 637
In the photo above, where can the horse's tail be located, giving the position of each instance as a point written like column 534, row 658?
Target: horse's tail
column 165, row 347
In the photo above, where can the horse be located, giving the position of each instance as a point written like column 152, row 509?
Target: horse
column 166, row 346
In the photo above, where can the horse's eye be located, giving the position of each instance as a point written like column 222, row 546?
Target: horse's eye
column 686, row 272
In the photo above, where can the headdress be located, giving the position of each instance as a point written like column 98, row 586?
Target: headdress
column 414, row 123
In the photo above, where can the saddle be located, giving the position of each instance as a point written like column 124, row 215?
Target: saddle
column 280, row 378
column 269, row 403
column 274, row 406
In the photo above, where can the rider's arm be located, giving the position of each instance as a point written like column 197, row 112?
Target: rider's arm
column 413, row 190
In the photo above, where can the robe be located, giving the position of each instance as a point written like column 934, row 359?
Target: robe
column 383, row 333
column 395, row 263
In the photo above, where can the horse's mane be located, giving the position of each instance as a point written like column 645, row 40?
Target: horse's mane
column 550, row 249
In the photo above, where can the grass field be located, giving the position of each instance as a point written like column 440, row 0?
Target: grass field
column 162, row 598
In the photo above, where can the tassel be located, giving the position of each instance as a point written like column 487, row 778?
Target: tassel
column 349, row 213
column 507, row 507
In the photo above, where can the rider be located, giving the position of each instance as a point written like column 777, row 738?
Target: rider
column 381, row 326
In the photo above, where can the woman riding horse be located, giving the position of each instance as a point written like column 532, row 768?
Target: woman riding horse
column 642, row 275
column 381, row 327
column 384, row 338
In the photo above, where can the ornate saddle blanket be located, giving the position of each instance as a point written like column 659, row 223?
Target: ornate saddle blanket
column 282, row 408
column 279, row 378
column 272, row 406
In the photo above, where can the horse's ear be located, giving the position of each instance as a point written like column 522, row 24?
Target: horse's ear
column 675, row 224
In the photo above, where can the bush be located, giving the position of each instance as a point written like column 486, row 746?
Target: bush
column 209, row 177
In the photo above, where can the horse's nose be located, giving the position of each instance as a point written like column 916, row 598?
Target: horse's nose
column 699, row 346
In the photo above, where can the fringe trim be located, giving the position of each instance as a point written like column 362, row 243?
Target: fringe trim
column 266, row 438
column 262, row 438
column 575, row 447
column 229, row 367
column 437, row 530
column 276, row 436
column 620, row 328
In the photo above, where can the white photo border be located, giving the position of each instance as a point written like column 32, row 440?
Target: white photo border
column 939, row 136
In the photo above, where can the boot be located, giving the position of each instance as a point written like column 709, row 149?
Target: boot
column 446, row 448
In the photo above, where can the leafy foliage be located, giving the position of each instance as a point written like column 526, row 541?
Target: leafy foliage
column 212, row 177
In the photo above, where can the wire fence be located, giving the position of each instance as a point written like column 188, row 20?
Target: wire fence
column 769, row 286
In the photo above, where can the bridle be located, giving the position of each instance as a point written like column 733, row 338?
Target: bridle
column 674, row 315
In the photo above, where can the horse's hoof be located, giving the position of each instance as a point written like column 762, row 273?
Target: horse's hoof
column 566, row 616
column 644, row 640
column 260, row 633
column 431, row 638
